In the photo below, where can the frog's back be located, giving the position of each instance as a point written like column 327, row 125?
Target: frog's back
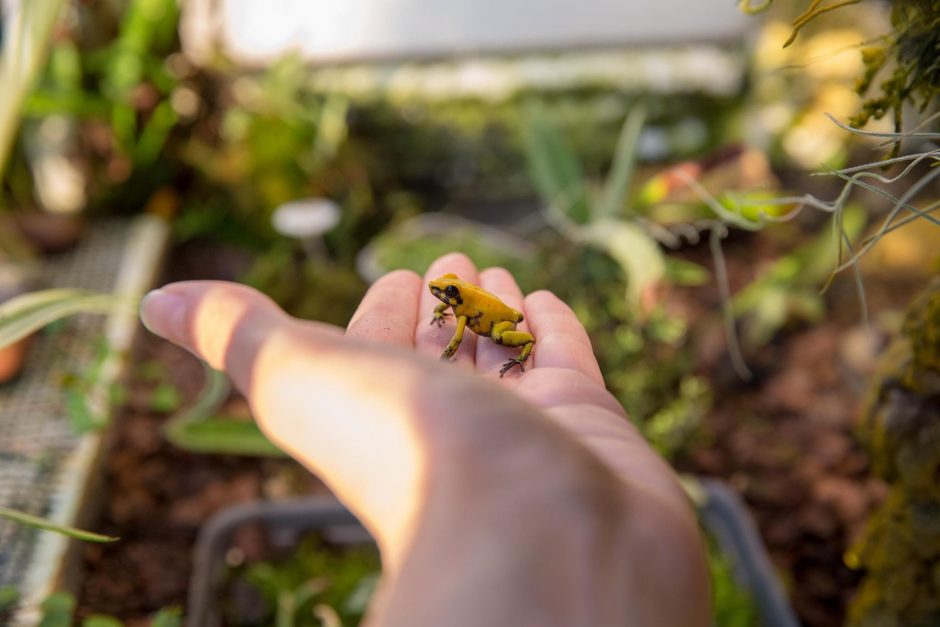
column 486, row 310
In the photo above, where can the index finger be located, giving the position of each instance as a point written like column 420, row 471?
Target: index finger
column 560, row 340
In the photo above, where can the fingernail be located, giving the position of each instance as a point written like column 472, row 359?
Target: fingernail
column 164, row 313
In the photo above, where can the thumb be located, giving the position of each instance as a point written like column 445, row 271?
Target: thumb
column 342, row 408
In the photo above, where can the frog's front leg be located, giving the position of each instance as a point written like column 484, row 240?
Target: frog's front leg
column 456, row 340
column 440, row 312
column 505, row 334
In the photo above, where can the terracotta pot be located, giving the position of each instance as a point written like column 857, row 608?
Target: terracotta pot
column 15, row 280
column 12, row 358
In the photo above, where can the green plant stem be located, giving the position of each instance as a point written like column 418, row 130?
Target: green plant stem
column 48, row 525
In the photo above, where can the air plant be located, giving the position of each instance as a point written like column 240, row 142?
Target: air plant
column 751, row 215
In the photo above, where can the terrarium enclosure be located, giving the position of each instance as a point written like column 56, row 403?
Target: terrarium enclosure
column 739, row 201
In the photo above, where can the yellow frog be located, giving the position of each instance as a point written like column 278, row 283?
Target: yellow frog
column 484, row 313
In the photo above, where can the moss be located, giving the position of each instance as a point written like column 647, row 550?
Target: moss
column 922, row 328
column 900, row 550
column 904, row 64
column 914, row 48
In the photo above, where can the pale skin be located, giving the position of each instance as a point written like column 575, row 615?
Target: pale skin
column 527, row 500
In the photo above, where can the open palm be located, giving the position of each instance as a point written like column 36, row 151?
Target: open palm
column 562, row 377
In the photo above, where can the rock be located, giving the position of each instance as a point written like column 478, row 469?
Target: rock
column 50, row 232
column 858, row 350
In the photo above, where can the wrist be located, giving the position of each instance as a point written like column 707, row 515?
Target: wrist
column 550, row 550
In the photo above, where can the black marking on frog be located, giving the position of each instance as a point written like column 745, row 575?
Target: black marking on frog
column 453, row 294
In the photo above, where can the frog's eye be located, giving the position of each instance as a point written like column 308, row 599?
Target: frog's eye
column 451, row 291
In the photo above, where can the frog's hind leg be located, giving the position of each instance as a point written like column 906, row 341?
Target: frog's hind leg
column 505, row 334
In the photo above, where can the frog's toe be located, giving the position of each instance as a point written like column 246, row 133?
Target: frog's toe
column 508, row 366
column 439, row 319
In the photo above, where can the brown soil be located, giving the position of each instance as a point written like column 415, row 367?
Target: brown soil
column 786, row 440
column 787, row 445
column 158, row 496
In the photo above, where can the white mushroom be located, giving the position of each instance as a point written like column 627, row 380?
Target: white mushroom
column 307, row 220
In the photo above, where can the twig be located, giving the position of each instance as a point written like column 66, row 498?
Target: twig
column 718, row 232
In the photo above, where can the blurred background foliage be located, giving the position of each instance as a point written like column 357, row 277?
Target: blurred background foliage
column 585, row 191
column 121, row 121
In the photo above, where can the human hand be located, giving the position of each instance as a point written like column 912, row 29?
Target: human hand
column 528, row 500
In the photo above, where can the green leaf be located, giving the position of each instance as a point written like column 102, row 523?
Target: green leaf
column 358, row 600
column 788, row 288
column 155, row 133
column 222, row 435
column 81, row 417
column 28, row 313
column 57, row 609
column 675, row 425
column 41, row 104
column 65, row 66
column 555, row 170
column 682, row 272
column 151, row 370
column 733, row 605
column 165, row 398
column 315, row 575
column 9, row 597
column 754, row 207
column 101, row 620
column 768, row 316
column 214, row 392
column 624, row 164
column 807, row 266
column 331, row 128
column 48, row 525
column 638, row 254
column 198, row 430
column 168, row 617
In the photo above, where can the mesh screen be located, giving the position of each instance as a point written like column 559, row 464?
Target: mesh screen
column 36, row 434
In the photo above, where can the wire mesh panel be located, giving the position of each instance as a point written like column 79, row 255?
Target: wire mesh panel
column 38, row 437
